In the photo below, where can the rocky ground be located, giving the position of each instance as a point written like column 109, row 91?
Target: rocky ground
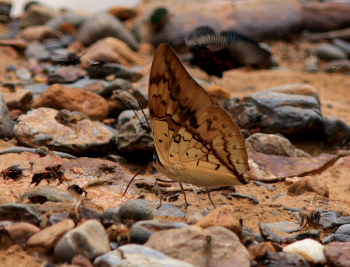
column 297, row 201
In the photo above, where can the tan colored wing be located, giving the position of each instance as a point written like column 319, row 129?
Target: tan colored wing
column 200, row 140
column 211, row 140
column 173, row 98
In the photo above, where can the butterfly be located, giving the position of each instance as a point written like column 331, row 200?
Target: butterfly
column 196, row 141
column 216, row 53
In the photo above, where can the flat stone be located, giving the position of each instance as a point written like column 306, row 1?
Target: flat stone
column 137, row 255
column 168, row 210
column 214, row 246
column 41, row 127
column 141, row 231
column 41, row 194
column 20, row 213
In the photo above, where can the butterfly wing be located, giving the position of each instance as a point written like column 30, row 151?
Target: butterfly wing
column 197, row 142
column 173, row 98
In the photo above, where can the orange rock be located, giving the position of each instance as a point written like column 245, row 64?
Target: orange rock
column 74, row 99
column 222, row 216
column 309, row 184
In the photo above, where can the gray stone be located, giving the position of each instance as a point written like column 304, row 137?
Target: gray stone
column 214, row 246
column 104, row 25
column 20, row 213
column 290, row 109
column 89, row 239
column 133, row 137
column 338, row 66
column 330, row 52
column 336, row 131
column 136, row 255
column 327, row 219
column 6, row 124
column 38, row 51
column 141, row 231
column 24, row 74
column 57, row 217
column 67, row 74
column 273, row 144
column 114, row 85
column 286, row 260
column 124, row 117
column 341, row 220
column 134, row 209
column 38, row 88
column 252, row 198
column 41, row 194
column 168, row 210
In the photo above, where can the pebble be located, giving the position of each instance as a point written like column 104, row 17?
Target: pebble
column 38, row 51
column 253, row 198
column 137, row 255
column 327, row 219
column 41, row 194
column 114, row 85
column 330, row 52
column 141, row 231
column 23, row 74
column 6, row 124
column 214, row 246
column 285, row 259
column 169, row 211
column 20, row 213
column 67, row 74
column 345, row 46
column 20, row 232
column 308, row 249
column 37, row 88
column 74, row 99
column 193, row 217
column 337, row 254
column 223, row 216
column 134, row 209
column 258, row 183
column 41, row 127
column 336, row 131
column 309, row 184
column 45, row 240
column 89, row 239
column 273, row 144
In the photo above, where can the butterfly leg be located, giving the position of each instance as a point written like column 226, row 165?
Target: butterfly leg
column 159, row 194
column 208, row 193
column 132, row 179
column 194, row 190
column 183, row 191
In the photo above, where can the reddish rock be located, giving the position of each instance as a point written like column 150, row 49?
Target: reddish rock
column 337, row 254
column 21, row 232
column 222, row 216
column 62, row 97
column 21, row 99
column 47, row 239
column 309, row 184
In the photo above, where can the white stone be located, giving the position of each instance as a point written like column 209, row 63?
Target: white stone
column 309, row 249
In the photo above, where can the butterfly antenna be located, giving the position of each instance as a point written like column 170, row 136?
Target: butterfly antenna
column 149, row 127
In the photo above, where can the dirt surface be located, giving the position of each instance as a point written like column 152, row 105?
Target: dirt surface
column 335, row 100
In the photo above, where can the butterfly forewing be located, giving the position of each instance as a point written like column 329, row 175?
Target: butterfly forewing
column 197, row 142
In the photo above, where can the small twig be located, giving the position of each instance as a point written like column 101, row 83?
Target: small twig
column 18, row 150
